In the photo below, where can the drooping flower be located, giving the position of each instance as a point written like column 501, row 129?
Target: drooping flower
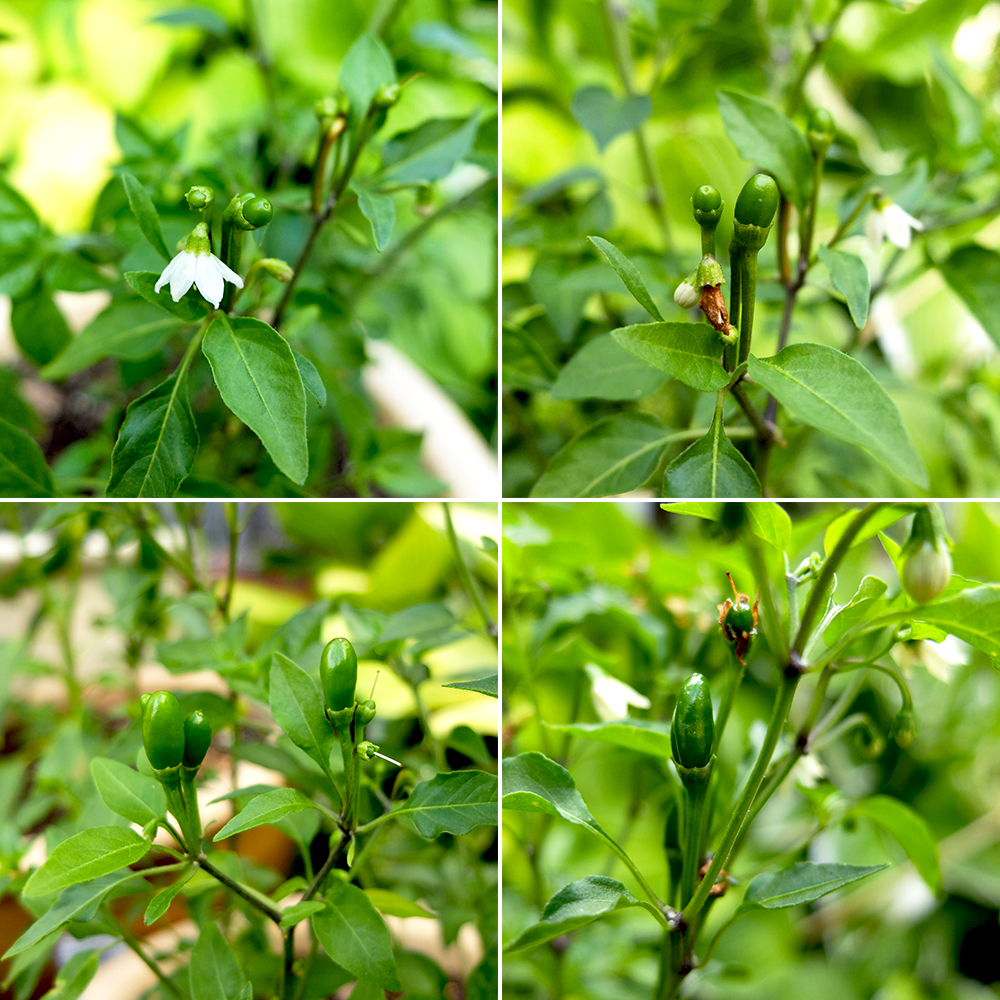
column 612, row 697
column 686, row 294
column 887, row 221
column 197, row 265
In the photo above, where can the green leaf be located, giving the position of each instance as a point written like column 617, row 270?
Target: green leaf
column 606, row 116
column 265, row 810
column 39, row 327
column 876, row 523
column 256, row 373
column 129, row 328
column 395, row 905
column 75, row 976
column 802, row 883
column 451, row 803
column 629, row 273
column 311, row 380
column 641, row 735
column 367, row 66
column 18, row 222
column 145, row 214
column 435, row 160
column 196, row 17
column 160, row 903
column 157, row 443
column 615, row 455
column 859, row 607
column 578, row 904
column 909, row 830
column 973, row 616
column 768, row 521
column 711, row 467
column 974, row 275
column 79, row 902
column 603, row 369
column 355, row 936
column 191, row 308
column 380, row 210
column 767, row 138
column 300, row 911
column 85, row 856
column 834, row 393
column 125, row 791
column 483, row 981
column 215, row 971
column 690, row 352
column 484, row 685
column 23, row 469
column 298, row 708
column 850, row 277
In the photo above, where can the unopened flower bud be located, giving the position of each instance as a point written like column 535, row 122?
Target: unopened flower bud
column 199, row 198
column 926, row 560
column 386, row 95
column 278, row 269
column 820, row 131
column 687, row 292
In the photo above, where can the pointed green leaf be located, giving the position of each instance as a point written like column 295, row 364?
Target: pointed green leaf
column 973, row 616
column 850, row 277
column 578, row 904
column 293, row 915
column 832, row 392
column 367, row 66
column 191, row 308
column 533, row 783
column 85, row 856
column 298, row 708
column 974, row 275
column 259, row 380
column 629, row 273
column 75, row 976
column 135, row 796
column 451, row 803
column 435, row 160
column 157, row 443
column 909, row 830
column 355, row 936
column 23, row 469
column 690, row 352
column 488, row 685
column 265, row 810
column 641, row 735
column 145, row 214
column 310, row 377
column 606, row 116
column 160, row 903
column 395, row 905
column 215, row 971
column 39, row 327
column 711, row 467
column 603, row 369
column 802, row 883
column 380, row 210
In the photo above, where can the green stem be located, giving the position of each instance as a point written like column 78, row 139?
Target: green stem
column 773, row 631
column 132, row 943
column 735, row 295
column 288, row 966
column 695, row 797
column 734, row 680
column 317, row 882
column 469, row 582
column 232, row 520
column 383, row 15
column 748, row 292
column 253, row 897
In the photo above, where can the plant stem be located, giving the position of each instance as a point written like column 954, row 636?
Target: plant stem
column 331, row 860
column 469, row 582
column 772, row 622
column 288, row 966
column 726, row 706
column 132, row 943
column 695, row 797
column 735, row 296
column 820, row 42
column 383, row 15
column 232, row 510
column 253, row 897
column 748, row 291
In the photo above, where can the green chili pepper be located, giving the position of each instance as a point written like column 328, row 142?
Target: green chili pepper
column 197, row 738
column 163, row 730
column 757, row 202
column 692, row 731
column 338, row 674
column 258, row 212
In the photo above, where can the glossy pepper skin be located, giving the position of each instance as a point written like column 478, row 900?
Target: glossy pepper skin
column 338, row 674
column 163, row 730
column 706, row 203
column 258, row 212
column 197, row 738
column 757, row 202
column 692, row 731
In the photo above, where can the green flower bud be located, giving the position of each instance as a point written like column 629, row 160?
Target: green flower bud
column 197, row 738
column 364, row 713
column 757, row 203
column 926, row 560
column 246, row 211
column 707, row 204
column 386, row 95
column 200, row 198
column 338, row 674
column 163, row 730
column 820, row 131
column 692, row 731
column 277, row 269
column 904, row 727
column 326, row 108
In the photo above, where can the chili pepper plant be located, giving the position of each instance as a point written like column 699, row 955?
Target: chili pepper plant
column 361, row 804
column 771, row 707
column 244, row 275
column 819, row 340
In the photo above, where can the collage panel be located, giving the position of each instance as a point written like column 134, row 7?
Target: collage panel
column 750, row 750
column 750, row 249
column 248, row 751
column 248, row 248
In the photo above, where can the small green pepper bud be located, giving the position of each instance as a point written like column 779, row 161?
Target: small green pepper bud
column 904, row 727
column 820, row 131
column 279, row 269
column 258, row 212
column 386, row 95
column 197, row 738
column 200, row 198
column 926, row 559
column 364, row 713
column 707, row 205
column 338, row 674
column 692, row 731
column 757, row 202
column 163, row 730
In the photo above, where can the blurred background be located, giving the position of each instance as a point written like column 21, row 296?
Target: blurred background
column 631, row 592
column 221, row 93
column 912, row 88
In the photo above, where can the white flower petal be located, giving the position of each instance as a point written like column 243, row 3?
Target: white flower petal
column 897, row 229
column 230, row 275
column 686, row 295
column 208, row 278
column 183, row 275
column 875, row 229
column 167, row 273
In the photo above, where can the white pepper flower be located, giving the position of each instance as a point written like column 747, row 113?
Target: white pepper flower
column 887, row 221
column 197, row 265
column 686, row 294
column 612, row 697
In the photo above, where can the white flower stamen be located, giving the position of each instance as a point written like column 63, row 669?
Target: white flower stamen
column 197, row 265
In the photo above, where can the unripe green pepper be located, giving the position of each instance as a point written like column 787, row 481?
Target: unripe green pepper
column 820, row 131
column 163, row 730
column 197, row 738
column 258, row 212
column 338, row 674
column 707, row 205
column 692, row 731
column 757, row 202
